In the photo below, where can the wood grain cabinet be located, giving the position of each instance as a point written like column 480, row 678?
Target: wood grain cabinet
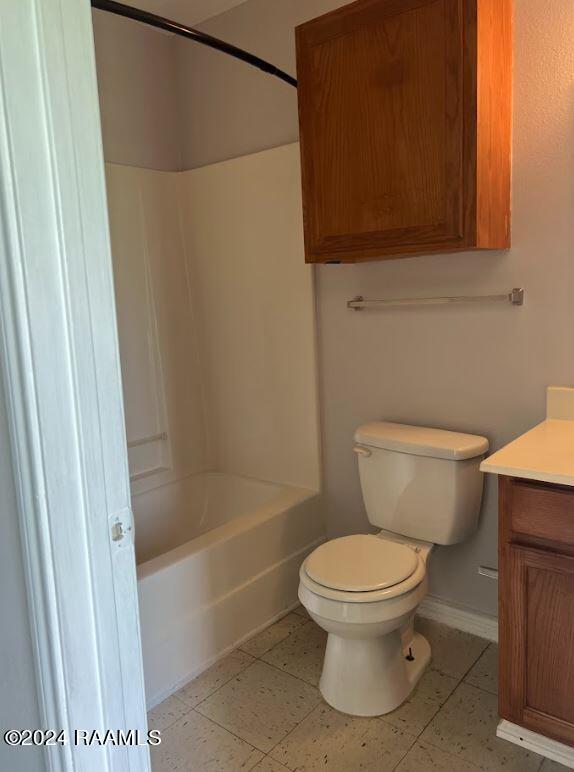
column 536, row 607
column 405, row 117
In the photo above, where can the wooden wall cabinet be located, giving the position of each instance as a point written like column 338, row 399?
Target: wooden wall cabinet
column 405, row 128
column 536, row 607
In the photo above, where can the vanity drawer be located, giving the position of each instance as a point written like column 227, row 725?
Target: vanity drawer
column 542, row 511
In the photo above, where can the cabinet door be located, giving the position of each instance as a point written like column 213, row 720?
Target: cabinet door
column 537, row 642
column 382, row 93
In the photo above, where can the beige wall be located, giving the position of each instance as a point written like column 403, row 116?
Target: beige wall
column 137, row 80
column 480, row 369
column 228, row 108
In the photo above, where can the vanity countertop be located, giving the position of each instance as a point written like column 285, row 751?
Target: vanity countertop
column 545, row 453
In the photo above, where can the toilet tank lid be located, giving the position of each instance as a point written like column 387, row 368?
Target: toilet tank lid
column 421, row 440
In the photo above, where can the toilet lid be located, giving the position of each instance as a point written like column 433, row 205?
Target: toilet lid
column 361, row 563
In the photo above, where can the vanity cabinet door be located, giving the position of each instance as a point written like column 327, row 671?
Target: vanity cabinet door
column 537, row 641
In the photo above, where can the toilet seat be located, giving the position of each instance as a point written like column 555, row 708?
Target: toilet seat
column 361, row 563
column 381, row 593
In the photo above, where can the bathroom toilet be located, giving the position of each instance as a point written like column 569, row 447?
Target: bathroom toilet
column 421, row 487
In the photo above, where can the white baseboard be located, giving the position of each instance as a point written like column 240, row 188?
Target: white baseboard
column 465, row 619
column 532, row 741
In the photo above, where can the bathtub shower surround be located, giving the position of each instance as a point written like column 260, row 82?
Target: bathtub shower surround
column 254, row 299
column 159, row 342
column 217, row 338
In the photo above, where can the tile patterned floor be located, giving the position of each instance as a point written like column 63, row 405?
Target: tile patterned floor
column 259, row 709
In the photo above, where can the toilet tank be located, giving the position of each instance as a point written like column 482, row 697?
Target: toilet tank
column 419, row 482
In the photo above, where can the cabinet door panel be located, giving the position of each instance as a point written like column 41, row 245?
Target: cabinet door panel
column 550, row 639
column 537, row 641
column 381, row 101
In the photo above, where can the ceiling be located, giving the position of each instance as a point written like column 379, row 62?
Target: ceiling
column 188, row 12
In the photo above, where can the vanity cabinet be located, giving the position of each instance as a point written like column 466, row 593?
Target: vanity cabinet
column 405, row 118
column 536, row 606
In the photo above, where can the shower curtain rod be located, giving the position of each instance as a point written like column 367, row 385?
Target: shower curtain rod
column 145, row 17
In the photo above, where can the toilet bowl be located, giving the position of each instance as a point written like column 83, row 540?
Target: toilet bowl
column 373, row 658
column 421, row 487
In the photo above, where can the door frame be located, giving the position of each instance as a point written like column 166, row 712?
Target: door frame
column 60, row 365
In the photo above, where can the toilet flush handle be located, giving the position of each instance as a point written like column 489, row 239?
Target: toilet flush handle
column 360, row 450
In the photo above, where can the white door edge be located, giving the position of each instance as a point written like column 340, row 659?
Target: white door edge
column 60, row 364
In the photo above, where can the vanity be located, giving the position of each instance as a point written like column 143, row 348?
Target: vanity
column 536, row 582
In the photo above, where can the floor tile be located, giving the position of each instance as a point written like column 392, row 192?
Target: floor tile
column 269, row 765
column 217, row 675
column 423, row 757
column 466, row 727
column 484, row 673
column 431, row 692
column 273, row 635
column 553, row 766
column 301, row 654
column 195, row 744
column 453, row 652
column 167, row 713
column 261, row 705
column 332, row 742
column 302, row 611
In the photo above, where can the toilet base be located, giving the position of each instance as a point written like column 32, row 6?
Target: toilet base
column 371, row 677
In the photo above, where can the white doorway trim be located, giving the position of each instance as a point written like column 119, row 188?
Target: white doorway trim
column 59, row 360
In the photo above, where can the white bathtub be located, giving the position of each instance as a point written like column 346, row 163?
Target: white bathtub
column 218, row 558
